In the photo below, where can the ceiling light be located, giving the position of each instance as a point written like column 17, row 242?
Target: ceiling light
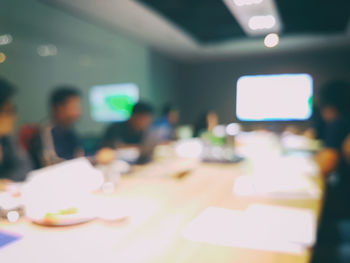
column 2, row 57
column 247, row 2
column 5, row 39
column 271, row 40
column 262, row 22
column 256, row 20
column 47, row 50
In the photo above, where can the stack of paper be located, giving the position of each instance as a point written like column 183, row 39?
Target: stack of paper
column 62, row 186
column 271, row 228
column 72, row 175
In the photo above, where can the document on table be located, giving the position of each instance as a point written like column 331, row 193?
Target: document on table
column 76, row 174
column 294, row 187
column 297, row 225
column 260, row 227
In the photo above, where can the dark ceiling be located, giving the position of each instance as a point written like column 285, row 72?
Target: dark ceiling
column 211, row 21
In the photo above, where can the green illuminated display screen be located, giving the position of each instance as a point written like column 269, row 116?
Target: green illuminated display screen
column 114, row 102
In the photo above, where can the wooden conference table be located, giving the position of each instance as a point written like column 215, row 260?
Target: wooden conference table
column 159, row 205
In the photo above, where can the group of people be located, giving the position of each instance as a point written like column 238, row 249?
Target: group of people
column 55, row 140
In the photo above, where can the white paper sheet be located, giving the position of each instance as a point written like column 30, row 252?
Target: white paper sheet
column 279, row 187
column 255, row 228
column 295, row 225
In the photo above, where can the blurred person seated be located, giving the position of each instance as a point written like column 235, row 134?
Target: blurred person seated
column 167, row 122
column 346, row 149
column 207, row 121
column 57, row 141
column 333, row 129
column 204, row 128
column 130, row 133
column 14, row 164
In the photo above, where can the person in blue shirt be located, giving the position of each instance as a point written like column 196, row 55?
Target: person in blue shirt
column 167, row 122
column 14, row 164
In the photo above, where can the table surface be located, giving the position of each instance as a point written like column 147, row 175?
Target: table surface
column 160, row 205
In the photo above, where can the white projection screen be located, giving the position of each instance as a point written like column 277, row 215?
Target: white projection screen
column 284, row 97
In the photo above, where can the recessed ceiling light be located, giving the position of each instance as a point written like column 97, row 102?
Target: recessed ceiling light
column 262, row 22
column 247, row 2
column 271, row 40
column 256, row 17
column 5, row 39
column 47, row 50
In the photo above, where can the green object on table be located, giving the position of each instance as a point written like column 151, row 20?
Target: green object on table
column 212, row 139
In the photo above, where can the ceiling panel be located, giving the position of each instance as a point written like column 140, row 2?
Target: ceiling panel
column 210, row 20
column 314, row 16
column 206, row 29
column 206, row 20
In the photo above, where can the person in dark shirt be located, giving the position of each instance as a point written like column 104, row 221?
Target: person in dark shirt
column 333, row 129
column 57, row 141
column 66, row 142
column 14, row 164
column 66, row 111
column 131, row 132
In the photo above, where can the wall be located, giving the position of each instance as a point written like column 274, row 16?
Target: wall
column 211, row 85
column 87, row 55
